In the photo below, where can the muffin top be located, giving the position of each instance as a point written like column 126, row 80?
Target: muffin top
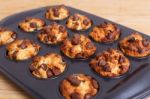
column 59, row 12
column 22, row 49
column 105, row 32
column 79, row 46
column 49, row 65
column 31, row 24
column 110, row 63
column 135, row 45
column 53, row 34
column 80, row 86
column 78, row 22
column 6, row 36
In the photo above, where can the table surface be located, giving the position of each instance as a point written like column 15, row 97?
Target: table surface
column 131, row 13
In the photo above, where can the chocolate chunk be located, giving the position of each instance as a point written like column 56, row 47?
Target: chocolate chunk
column 32, row 68
column 110, row 36
column 86, row 22
column 106, row 68
column 56, row 71
column 75, row 96
column 74, row 80
column 88, row 96
column 76, row 39
column 95, row 84
column 33, row 25
column 121, row 59
column 49, row 73
column 43, row 66
column 101, row 62
column 132, row 39
column 13, row 35
column 145, row 42
column 62, row 28
column 89, row 45
column 36, row 71
column 140, row 50
column 75, row 18
column 56, row 13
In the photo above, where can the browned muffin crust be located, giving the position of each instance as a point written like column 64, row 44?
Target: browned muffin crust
column 106, row 32
column 78, row 22
column 6, row 36
column 53, row 34
column 135, row 45
column 110, row 63
column 31, row 24
column 49, row 65
column 22, row 49
column 59, row 12
column 79, row 46
column 79, row 86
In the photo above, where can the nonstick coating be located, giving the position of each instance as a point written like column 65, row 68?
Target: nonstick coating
column 49, row 88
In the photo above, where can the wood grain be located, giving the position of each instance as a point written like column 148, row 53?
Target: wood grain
column 131, row 13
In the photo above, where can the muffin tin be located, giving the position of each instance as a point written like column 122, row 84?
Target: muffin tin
column 134, row 84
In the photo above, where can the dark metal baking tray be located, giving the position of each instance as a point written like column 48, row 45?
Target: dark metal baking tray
column 134, row 84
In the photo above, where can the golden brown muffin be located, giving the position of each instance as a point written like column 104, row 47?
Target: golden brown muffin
column 106, row 32
column 22, row 49
column 110, row 63
column 79, row 86
column 47, row 66
column 57, row 13
column 78, row 22
column 6, row 36
column 31, row 24
column 135, row 45
column 53, row 34
column 79, row 47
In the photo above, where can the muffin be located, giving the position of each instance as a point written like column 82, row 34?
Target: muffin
column 31, row 24
column 6, row 36
column 80, row 87
column 135, row 45
column 110, row 63
column 79, row 47
column 53, row 34
column 106, row 32
column 22, row 49
column 49, row 65
column 59, row 12
column 78, row 22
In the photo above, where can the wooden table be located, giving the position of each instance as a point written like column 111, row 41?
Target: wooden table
column 132, row 13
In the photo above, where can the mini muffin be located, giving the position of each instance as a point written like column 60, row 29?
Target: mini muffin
column 79, row 47
column 49, row 65
column 57, row 13
column 22, row 49
column 106, row 32
column 135, row 45
column 53, row 34
column 31, row 24
column 110, row 63
column 79, row 86
column 78, row 22
column 6, row 36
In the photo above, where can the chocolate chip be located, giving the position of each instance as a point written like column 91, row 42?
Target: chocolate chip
column 106, row 68
column 49, row 73
column 145, row 42
column 36, row 71
column 56, row 71
column 132, row 39
column 43, row 66
column 13, row 35
column 75, row 96
column 62, row 29
column 14, row 55
column 74, row 81
column 75, row 18
column 56, row 13
column 46, row 38
column 76, row 39
column 110, row 36
column 140, row 50
column 85, row 22
column 33, row 25
column 101, row 62
column 88, row 96
column 22, row 45
column 89, row 45
column 121, row 59
column 95, row 84
column 32, row 68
